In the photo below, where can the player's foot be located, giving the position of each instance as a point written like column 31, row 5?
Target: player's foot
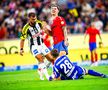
column 41, row 75
column 96, row 64
column 50, row 78
column 104, row 76
column 93, row 64
column 41, row 78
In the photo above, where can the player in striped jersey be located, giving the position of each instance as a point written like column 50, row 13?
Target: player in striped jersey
column 33, row 30
column 64, row 69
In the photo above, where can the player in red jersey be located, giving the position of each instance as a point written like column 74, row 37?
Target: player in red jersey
column 47, row 39
column 92, row 32
column 58, row 31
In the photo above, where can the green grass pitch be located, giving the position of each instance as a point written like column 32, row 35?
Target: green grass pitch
column 29, row 80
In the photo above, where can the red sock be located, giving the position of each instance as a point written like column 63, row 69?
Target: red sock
column 96, row 57
column 92, row 59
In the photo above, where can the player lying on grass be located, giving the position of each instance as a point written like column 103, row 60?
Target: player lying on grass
column 64, row 69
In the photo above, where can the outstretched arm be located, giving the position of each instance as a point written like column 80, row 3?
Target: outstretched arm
column 85, row 35
column 100, row 38
column 21, row 47
column 65, row 35
column 46, row 28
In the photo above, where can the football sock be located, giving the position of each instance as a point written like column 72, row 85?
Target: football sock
column 44, row 70
column 94, row 73
column 92, row 59
column 40, row 73
column 96, row 58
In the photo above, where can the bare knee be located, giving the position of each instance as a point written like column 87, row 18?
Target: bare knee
column 49, row 57
column 40, row 58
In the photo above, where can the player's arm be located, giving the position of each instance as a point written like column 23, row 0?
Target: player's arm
column 56, row 74
column 46, row 28
column 23, row 37
column 100, row 42
column 21, row 47
column 85, row 35
column 65, row 35
column 100, row 37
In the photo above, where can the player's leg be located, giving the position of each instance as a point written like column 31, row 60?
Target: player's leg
column 39, row 57
column 92, row 57
column 41, row 66
column 62, row 48
column 94, row 73
column 47, row 54
column 95, row 54
column 96, row 58
column 51, row 62
column 91, row 52
column 92, row 47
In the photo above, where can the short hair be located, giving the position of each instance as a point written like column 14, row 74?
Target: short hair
column 55, row 53
column 55, row 5
column 31, row 14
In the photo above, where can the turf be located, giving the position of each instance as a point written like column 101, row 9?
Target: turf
column 29, row 80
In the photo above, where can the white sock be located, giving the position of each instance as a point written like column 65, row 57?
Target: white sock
column 44, row 70
column 41, row 74
column 48, row 64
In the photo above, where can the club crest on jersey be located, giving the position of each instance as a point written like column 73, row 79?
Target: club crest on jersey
column 62, row 22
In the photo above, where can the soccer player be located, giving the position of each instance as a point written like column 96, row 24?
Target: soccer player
column 92, row 32
column 64, row 69
column 58, row 30
column 33, row 30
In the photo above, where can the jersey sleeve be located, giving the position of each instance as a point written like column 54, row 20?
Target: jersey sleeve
column 24, row 32
column 40, row 23
column 97, row 31
column 62, row 21
column 87, row 31
column 56, row 73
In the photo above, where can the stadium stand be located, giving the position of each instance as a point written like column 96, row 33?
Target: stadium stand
column 77, row 13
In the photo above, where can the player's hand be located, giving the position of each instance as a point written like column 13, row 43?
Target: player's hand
column 21, row 52
column 66, row 42
column 100, row 44
column 45, row 26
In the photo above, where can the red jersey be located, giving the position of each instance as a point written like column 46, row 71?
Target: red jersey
column 92, row 34
column 3, row 32
column 46, row 39
column 56, row 28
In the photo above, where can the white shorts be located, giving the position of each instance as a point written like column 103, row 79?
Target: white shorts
column 39, row 49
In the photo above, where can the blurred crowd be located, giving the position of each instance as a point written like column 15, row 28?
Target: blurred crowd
column 77, row 13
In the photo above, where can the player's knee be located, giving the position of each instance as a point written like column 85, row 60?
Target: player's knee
column 40, row 58
column 49, row 57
